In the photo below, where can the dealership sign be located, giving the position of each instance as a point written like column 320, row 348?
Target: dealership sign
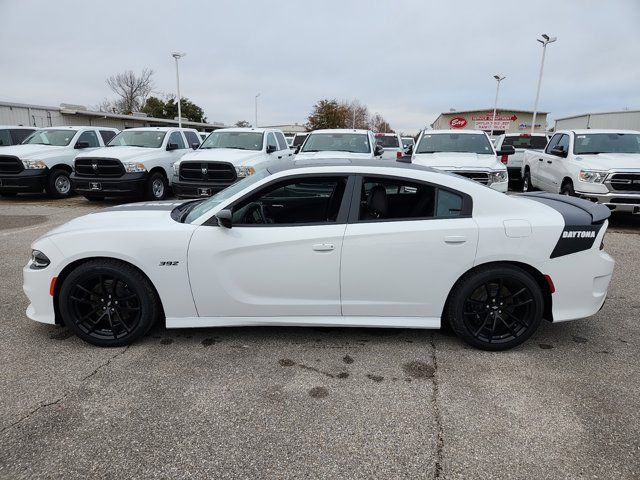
column 497, row 125
column 457, row 122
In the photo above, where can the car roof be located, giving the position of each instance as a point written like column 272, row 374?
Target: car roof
column 341, row 130
column 157, row 129
column 276, row 166
column 597, row 130
column 515, row 134
column 451, row 130
column 247, row 129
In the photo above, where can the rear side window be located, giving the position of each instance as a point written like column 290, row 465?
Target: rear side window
column 192, row 137
column 5, row 138
column 526, row 141
column 18, row 135
column 388, row 141
column 176, row 138
column 398, row 199
column 90, row 137
column 282, row 141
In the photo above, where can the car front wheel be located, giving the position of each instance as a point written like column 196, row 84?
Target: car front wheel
column 108, row 303
column 59, row 184
column 496, row 307
column 156, row 187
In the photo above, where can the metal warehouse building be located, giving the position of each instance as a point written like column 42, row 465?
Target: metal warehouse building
column 65, row 115
column 507, row 121
column 624, row 120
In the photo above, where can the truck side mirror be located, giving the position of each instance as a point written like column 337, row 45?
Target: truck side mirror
column 558, row 151
column 224, row 218
column 409, row 150
column 378, row 150
column 271, row 148
column 82, row 145
column 195, row 145
column 172, row 146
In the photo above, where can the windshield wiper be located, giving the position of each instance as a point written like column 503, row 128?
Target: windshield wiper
column 309, row 151
column 426, row 151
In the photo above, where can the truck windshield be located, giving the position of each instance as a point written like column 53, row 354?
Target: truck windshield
column 57, row 138
column 607, row 143
column 537, row 142
column 337, row 142
column 138, row 138
column 214, row 200
column 387, row 141
column 235, row 140
column 455, row 142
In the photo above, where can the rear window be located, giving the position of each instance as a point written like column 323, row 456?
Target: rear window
column 388, row 141
column 526, row 141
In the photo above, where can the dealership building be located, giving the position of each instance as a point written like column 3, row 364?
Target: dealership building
column 70, row 115
column 506, row 121
column 623, row 120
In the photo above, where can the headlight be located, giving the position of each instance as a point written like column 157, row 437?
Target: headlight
column 245, row 171
column 592, row 176
column 39, row 260
column 33, row 164
column 134, row 167
column 176, row 167
column 498, row 177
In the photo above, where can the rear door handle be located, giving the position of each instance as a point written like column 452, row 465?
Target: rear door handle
column 324, row 247
column 455, row 239
column 549, row 161
column 539, row 159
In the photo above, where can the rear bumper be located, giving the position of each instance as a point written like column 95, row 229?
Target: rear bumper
column 129, row 184
column 27, row 181
column 186, row 189
column 616, row 201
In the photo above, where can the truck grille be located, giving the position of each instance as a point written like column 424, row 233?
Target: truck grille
column 627, row 182
column 480, row 177
column 9, row 164
column 99, row 167
column 207, row 171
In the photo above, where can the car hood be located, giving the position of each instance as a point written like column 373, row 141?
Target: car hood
column 124, row 154
column 607, row 161
column 456, row 160
column 232, row 155
column 33, row 152
column 330, row 154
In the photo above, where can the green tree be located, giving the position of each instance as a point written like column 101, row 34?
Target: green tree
column 189, row 110
column 154, row 107
column 328, row 114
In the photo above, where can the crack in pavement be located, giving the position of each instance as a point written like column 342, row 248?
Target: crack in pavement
column 55, row 402
column 438, row 416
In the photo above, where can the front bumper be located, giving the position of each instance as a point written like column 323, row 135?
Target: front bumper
column 37, row 283
column 129, row 184
column 196, row 189
column 27, row 181
column 616, row 201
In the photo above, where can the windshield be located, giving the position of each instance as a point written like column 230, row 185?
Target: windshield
column 607, row 143
column 526, row 141
column 387, row 141
column 222, row 195
column 299, row 139
column 138, row 138
column 57, row 138
column 455, row 142
column 407, row 141
column 236, row 140
column 337, row 142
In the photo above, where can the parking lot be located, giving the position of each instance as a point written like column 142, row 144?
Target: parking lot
column 316, row 403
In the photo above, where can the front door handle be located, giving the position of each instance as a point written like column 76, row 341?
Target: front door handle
column 324, row 247
column 539, row 159
column 549, row 161
column 455, row 239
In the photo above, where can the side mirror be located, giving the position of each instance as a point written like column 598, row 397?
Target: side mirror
column 82, row 145
column 225, row 218
column 506, row 150
column 378, row 150
column 195, row 145
column 297, row 150
column 172, row 146
column 409, row 150
column 271, row 148
column 558, row 152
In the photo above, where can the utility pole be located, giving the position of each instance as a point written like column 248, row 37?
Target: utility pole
column 545, row 41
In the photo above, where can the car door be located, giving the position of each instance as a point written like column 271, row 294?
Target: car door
column 90, row 137
column 537, row 165
column 173, row 156
column 406, row 244
column 555, row 165
column 282, row 255
column 283, row 149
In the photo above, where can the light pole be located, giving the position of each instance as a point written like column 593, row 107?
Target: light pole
column 495, row 103
column 178, row 56
column 545, row 41
column 256, row 105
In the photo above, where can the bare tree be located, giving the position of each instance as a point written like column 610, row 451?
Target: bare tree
column 132, row 90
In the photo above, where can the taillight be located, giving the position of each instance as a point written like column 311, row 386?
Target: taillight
column 504, row 159
column 398, row 155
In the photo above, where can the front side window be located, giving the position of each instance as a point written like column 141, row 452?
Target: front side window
column 455, row 142
column 57, row 138
column 138, row 138
column 271, row 141
column 337, row 142
column 399, row 199
column 607, row 143
column 176, row 138
column 564, row 143
column 303, row 200
column 235, row 140
column 553, row 142
column 90, row 138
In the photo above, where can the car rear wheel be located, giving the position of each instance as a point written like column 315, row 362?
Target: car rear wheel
column 496, row 307
column 108, row 303
column 527, row 186
column 156, row 187
column 59, row 184
column 567, row 189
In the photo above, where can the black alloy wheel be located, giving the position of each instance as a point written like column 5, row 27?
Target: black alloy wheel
column 496, row 308
column 108, row 303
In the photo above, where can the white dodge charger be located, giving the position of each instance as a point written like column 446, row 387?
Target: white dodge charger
column 338, row 242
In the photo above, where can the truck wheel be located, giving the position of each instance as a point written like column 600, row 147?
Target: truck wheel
column 156, row 187
column 527, row 186
column 567, row 189
column 59, row 184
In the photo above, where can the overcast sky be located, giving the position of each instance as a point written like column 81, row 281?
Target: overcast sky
column 407, row 60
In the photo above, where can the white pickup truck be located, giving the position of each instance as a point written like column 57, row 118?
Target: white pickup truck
column 226, row 156
column 468, row 153
column 521, row 142
column 598, row 165
column 44, row 160
column 340, row 142
column 137, row 162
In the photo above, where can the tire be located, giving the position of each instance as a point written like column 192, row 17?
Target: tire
column 495, row 307
column 94, row 198
column 567, row 189
column 9, row 194
column 108, row 303
column 157, row 187
column 59, row 184
column 527, row 186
